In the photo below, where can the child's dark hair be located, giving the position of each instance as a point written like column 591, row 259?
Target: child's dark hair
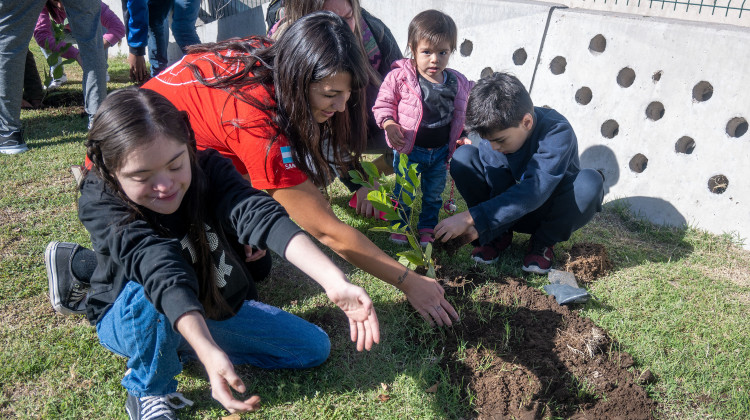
column 497, row 102
column 434, row 26
column 131, row 118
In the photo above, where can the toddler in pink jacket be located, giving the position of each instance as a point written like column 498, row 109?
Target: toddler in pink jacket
column 53, row 11
column 421, row 106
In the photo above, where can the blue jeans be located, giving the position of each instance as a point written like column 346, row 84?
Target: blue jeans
column 573, row 203
column 258, row 334
column 184, row 15
column 158, row 34
column 16, row 29
column 432, row 168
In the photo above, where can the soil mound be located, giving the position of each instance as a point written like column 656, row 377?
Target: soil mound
column 588, row 261
column 518, row 354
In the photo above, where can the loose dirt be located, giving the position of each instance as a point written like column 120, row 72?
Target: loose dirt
column 588, row 261
column 518, row 354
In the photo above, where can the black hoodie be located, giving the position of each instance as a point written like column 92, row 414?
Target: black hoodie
column 131, row 249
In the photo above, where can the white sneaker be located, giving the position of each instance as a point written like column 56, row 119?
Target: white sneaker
column 57, row 83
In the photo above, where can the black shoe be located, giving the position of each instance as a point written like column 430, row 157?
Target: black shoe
column 66, row 292
column 159, row 407
column 13, row 143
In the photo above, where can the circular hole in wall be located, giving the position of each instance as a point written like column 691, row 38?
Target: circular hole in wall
column 654, row 111
column 737, row 127
column 610, row 128
column 638, row 163
column 685, row 145
column 702, row 91
column 657, row 76
column 583, row 95
column 466, row 48
column 717, row 184
column 486, row 72
column 519, row 56
column 626, row 77
column 597, row 44
column 557, row 66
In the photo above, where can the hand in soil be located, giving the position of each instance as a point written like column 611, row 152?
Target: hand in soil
column 426, row 296
column 460, row 225
column 363, row 322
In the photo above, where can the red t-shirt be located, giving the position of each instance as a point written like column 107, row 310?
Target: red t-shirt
column 212, row 114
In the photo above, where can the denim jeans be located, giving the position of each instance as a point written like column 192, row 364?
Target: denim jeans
column 16, row 29
column 258, row 334
column 158, row 35
column 573, row 203
column 184, row 15
column 433, row 171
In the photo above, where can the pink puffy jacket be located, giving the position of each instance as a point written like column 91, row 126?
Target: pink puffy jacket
column 400, row 99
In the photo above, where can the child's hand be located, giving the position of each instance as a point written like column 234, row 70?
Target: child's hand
column 357, row 305
column 460, row 225
column 252, row 254
column 462, row 141
column 395, row 133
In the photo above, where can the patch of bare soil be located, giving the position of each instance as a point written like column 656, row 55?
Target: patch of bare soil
column 588, row 261
column 523, row 356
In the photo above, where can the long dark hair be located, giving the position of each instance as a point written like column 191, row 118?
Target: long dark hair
column 316, row 46
column 131, row 118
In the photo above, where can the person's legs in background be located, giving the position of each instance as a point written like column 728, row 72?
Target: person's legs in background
column 33, row 90
column 434, row 173
column 85, row 23
column 158, row 34
column 16, row 28
column 184, row 15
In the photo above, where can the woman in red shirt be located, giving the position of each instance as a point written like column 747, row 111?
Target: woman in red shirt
column 284, row 113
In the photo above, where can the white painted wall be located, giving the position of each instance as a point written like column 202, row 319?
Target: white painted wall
column 674, row 186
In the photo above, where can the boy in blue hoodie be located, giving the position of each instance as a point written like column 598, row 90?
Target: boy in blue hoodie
column 524, row 176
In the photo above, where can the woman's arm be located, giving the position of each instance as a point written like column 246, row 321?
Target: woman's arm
column 307, row 206
column 353, row 300
column 219, row 368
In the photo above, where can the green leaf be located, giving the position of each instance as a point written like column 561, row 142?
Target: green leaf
column 386, row 229
column 378, row 196
column 356, row 177
column 403, row 161
column 428, row 251
column 52, row 59
column 370, row 169
column 412, row 256
column 58, row 72
column 406, row 198
column 405, row 262
column 413, row 177
column 431, row 271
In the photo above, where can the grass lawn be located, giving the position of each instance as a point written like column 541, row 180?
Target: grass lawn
column 677, row 301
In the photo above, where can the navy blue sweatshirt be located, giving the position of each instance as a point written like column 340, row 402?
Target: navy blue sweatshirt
column 131, row 249
column 548, row 155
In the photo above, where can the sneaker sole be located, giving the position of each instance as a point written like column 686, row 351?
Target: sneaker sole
column 14, row 150
column 483, row 261
column 54, row 292
column 535, row 269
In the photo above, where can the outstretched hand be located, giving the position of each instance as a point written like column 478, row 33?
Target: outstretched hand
column 363, row 322
column 427, row 297
column 222, row 376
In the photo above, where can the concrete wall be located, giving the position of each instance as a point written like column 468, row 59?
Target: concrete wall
column 660, row 106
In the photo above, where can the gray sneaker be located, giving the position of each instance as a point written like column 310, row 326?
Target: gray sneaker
column 66, row 292
column 12, row 143
column 155, row 407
